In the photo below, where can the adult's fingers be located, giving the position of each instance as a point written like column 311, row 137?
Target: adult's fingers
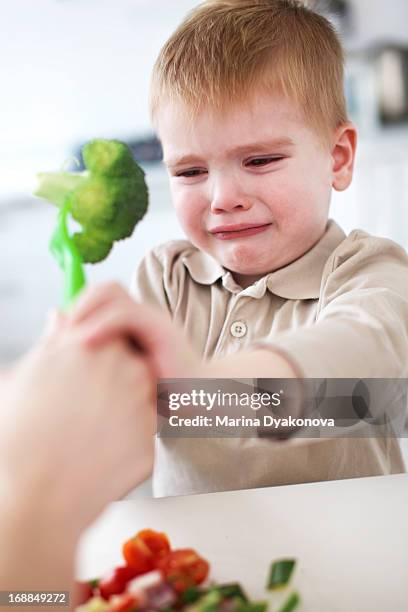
column 55, row 322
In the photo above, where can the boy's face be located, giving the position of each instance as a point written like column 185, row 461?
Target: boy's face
column 253, row 188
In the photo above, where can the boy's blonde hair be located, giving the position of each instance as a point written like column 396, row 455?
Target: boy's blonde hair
column 226, row 50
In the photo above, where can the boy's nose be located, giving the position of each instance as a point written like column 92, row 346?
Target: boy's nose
column 228, row 200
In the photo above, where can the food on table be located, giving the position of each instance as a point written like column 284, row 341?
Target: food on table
column 144, row 550
column 156, row 578
column 183, row 569
column 291, row 603
column 280, row 573
column 115, row 582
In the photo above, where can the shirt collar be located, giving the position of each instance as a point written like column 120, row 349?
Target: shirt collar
column 301, row 279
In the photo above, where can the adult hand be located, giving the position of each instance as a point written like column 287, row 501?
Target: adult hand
column 76, row 427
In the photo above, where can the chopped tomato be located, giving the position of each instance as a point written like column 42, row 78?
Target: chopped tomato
column 138, row 555
column 144, row 550
column 183, row 569
column 115, row 582
column 157, row 542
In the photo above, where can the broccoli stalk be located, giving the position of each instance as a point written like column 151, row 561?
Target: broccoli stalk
column 107, row 200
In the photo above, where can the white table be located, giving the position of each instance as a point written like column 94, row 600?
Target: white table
column 350, row 538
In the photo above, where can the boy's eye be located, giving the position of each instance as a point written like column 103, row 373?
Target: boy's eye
column 263, row 161
column 191, row 172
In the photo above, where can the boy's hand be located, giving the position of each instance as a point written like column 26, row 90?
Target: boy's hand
column 108, row 312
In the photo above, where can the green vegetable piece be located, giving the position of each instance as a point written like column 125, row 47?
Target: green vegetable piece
column 208, row 603
column 108, row 158
column 254, row 606
column 54, row 186
column 107, row 200
column 191, row 595
column 280, row 573
column 93, row 246
column 232, row 590
column 291, row 603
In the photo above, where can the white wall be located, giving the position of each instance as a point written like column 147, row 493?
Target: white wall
column 384, row 20
column 72, row 70
column 68, row 65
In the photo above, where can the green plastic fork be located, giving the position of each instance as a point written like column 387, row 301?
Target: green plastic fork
column 65, row 252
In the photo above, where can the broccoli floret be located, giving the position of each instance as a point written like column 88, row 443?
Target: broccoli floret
column 107, row 200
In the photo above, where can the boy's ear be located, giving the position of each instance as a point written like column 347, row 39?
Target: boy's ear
column 343, row 154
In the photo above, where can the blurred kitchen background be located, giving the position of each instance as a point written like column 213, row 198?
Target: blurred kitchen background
column 72, row 70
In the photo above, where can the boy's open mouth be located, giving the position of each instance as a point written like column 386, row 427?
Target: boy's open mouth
column 229, row 232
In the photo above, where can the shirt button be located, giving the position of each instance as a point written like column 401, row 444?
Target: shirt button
column 238, row 329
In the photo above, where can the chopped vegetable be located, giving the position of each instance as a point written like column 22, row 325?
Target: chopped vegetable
column 123, row 603
column 143, row 551
column 96, row 604
column 255, row 606
column 138, row 555
column 161, row 596
column 116, row 581
column 190, row 595
column 291, row 603
column 145, row 582
column 280, row 573
column 232, row 590
column 183, row 569
column 94, row 582
column 157, row 542
column 158, row 579
column 210, row 602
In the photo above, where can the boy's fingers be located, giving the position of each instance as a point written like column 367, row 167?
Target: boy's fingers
column 93, row 298
column 118, row 322
column 144, row 328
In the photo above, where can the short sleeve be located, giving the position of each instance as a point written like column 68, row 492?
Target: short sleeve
column 159, row 276
column 147, row 282
column 361, row 326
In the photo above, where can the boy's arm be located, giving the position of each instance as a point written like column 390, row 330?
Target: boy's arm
column 361, row 329
column 107, row 312
column 155, row 282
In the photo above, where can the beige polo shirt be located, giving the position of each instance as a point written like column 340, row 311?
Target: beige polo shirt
column 339, row 311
